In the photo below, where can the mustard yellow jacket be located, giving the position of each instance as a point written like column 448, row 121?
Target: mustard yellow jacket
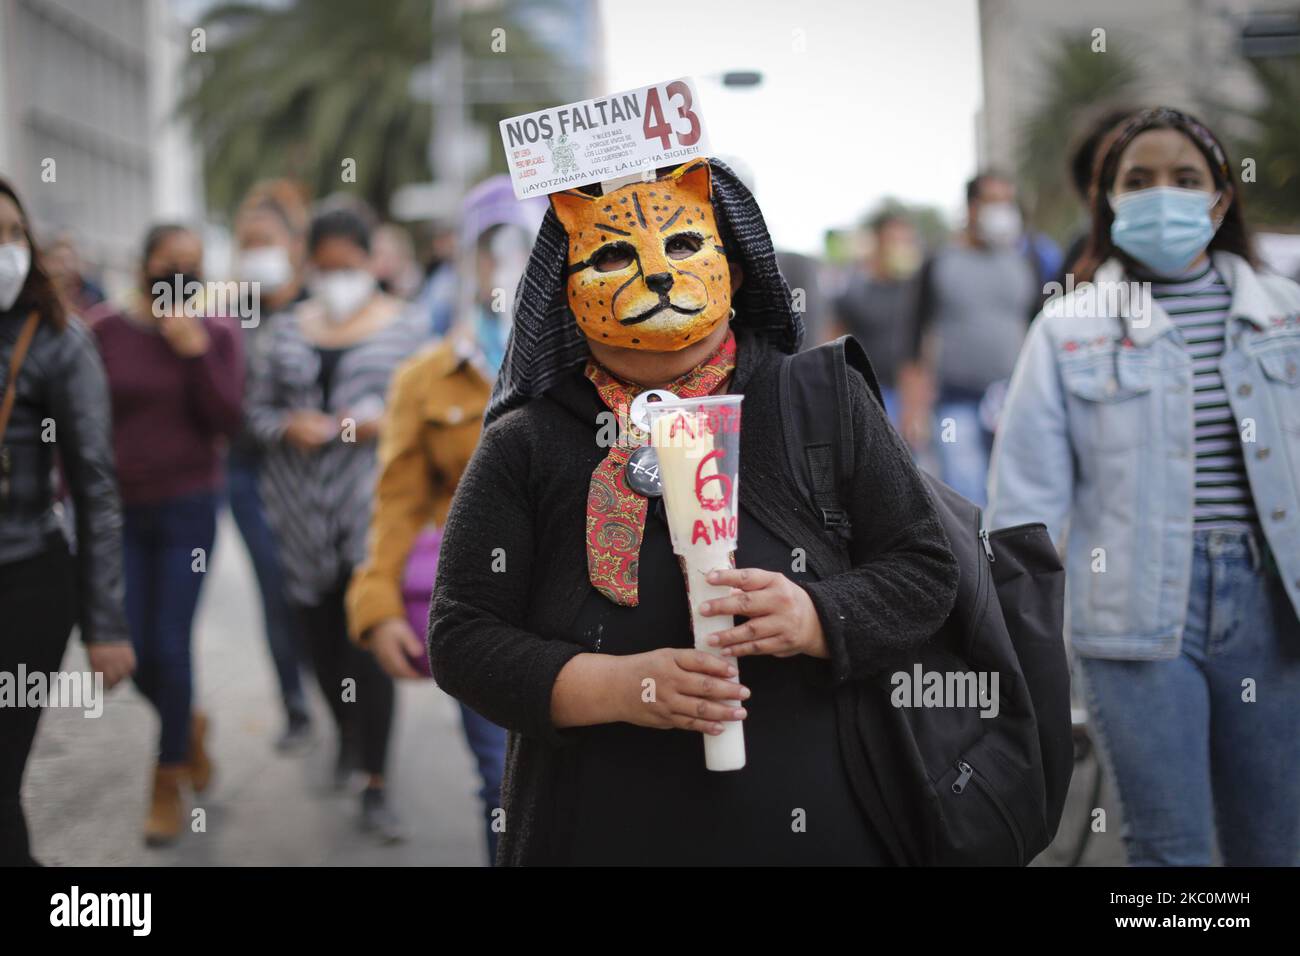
column 431, row 426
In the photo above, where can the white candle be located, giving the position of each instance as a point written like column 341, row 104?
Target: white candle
column 705, row 538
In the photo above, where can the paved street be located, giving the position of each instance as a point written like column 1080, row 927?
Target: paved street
column 87, row 781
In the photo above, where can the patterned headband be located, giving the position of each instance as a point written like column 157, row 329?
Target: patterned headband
column 1167, row 116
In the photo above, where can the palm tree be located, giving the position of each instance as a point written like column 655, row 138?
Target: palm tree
column 297, row 89
column 1274, row 143
column 1078, row 86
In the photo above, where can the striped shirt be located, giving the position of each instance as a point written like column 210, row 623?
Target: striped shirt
column 318, row 502
column 1198, row 307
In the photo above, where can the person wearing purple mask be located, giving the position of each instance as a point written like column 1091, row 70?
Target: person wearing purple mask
column 435, row 415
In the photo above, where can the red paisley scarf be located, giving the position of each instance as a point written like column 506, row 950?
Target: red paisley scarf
column 616, row 513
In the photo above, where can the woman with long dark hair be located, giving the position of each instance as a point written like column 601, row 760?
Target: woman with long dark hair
column 176, row 378
column 1156, row 411
column 55, row 404
column 270, row 233
column 316, row 404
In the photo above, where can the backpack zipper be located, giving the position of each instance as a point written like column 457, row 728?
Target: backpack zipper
column 988, row 548
column 959, row 786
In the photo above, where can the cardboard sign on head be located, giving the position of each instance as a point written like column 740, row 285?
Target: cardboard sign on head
column 646, row 264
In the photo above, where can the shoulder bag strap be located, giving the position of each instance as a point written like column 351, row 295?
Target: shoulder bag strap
column 15, row 364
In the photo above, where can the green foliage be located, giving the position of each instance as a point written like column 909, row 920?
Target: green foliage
column 1274, row 143
column 296, row 89
column 1078, row 86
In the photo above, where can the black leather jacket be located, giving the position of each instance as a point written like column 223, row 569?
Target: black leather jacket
column 63, row 404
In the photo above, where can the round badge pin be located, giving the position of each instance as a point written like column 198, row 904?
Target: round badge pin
column 638, row 414
column 642, row 473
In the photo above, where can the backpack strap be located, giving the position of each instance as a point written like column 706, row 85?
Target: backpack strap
column 818, row 424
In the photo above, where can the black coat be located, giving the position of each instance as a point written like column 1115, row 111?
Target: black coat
column 498, row 638
column 62, row 380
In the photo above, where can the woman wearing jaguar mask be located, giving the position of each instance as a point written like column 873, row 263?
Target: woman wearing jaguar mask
column 558, row 593
column 1156, row 411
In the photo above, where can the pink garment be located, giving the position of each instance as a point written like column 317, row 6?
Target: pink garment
column 417, row 587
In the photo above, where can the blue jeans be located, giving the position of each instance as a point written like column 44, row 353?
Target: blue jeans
column 487, row 742
column 963, row 460
column 277, row 618
column 1208, row 743
column 162, row 591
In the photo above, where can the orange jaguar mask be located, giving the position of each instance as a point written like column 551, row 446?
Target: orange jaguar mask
column 646, row 263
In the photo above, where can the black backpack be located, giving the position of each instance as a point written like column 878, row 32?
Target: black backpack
column 943, row 785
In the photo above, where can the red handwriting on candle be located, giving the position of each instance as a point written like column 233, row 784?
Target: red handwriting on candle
column 712, row 504
column 713, row 421
column 724, row 529
column 723, row 419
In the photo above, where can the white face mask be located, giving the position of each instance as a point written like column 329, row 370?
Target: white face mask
column 15, row 263
column 269, row 266
column 998, row 223
column 343, row 292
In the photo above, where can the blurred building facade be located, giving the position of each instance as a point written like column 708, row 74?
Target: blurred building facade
column 1189, row 51
column 87, row 132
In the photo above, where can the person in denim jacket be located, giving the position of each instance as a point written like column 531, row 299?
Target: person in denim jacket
column 1155, row 414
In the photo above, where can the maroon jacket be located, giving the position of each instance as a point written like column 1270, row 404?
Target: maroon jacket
column 171, row 415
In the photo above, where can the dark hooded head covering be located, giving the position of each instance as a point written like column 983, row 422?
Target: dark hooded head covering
column 545, row 342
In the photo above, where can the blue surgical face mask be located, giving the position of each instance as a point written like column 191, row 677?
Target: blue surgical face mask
column 1164, row 228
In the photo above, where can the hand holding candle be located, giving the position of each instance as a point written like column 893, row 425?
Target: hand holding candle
column 782, row 619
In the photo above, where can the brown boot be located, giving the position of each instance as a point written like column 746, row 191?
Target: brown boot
column 200, row 764
column 163, row 824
